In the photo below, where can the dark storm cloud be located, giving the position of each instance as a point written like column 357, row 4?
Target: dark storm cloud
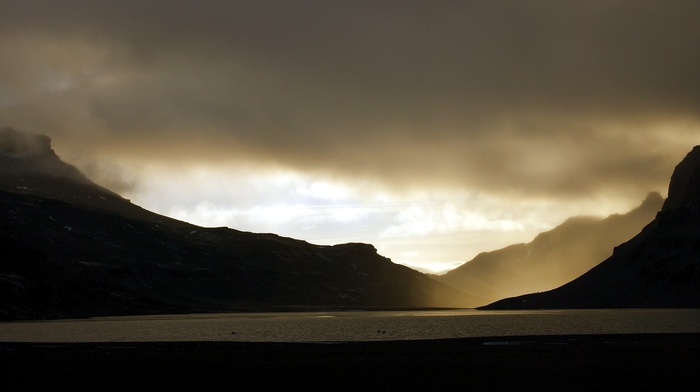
column 510, row 96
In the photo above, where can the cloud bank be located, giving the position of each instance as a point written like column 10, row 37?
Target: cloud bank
column 543, row 100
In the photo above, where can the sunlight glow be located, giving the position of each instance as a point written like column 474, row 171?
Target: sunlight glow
column 419, row 220
column 435, row 268
column 430, row 232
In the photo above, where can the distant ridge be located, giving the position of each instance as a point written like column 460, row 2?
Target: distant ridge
column 553, row 258
column 70, row 249
column 660, row 267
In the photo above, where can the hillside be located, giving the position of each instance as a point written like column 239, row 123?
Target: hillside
column 70, row 248
column 553, row 258
column 659, row 267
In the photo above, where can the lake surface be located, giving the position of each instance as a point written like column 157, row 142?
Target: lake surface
column 353, row 325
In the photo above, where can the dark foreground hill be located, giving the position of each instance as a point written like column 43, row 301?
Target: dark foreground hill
column 69, row 248
column 553, row 258
column 660, row 267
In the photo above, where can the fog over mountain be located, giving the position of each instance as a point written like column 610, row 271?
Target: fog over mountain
column 73, row 249
column 27, row 154
column 659, row 267
column 433, row 129
column 553, row 258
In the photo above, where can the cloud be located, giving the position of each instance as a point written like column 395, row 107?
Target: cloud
column 437, row 226
column 518, row 99
column 108, row 174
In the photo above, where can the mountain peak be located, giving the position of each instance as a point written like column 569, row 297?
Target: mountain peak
column 18, row 144
column 684, row 189
column 23, row 153
column 553, row 258
column 653, row 199
column 659, row 267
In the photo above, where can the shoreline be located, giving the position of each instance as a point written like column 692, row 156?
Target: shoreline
column 572, row 362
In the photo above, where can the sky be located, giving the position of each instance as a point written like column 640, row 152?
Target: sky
column 433, row 130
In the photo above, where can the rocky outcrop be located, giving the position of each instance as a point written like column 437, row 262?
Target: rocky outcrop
column 684, row 189
column 24, row 144
column 659, row 267
column 23, row 154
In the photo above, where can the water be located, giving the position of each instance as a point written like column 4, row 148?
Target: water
column 353, row 326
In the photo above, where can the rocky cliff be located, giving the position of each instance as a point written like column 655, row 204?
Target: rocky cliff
column 25, row 154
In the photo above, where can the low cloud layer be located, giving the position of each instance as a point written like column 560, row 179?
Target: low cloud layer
column 544, row 100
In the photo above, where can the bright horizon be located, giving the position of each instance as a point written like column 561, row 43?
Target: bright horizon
column 431, row 232
column 434, row 131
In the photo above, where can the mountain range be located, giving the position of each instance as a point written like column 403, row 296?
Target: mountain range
column 553, row 258
column 70, row 248
column 659, row 267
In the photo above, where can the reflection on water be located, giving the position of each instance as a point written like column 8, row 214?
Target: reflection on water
column 353, row 326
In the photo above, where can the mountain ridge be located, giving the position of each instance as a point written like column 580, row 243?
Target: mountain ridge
column 552, row 258
column 24, row 154
column 659, row 267
column 72, row 249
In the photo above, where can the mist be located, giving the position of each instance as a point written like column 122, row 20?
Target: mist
column 567, row 108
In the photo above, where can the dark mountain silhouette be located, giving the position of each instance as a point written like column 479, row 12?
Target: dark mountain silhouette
column 70, row 248
column 553, row 258
column 28, row 154
column 660, row 267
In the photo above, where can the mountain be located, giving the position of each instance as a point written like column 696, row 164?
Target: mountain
column 27, row 154
column 70, row 248
column 28, row 166
column 659, row 267
column 551, row 259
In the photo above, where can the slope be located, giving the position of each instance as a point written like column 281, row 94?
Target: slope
column 551, row 259
column 659, row 267
column 69, row 248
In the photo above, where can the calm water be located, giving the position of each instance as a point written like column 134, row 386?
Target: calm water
column 352, row 326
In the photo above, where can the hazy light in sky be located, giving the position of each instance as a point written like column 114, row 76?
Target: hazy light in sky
column 432, row 231
column 433, row 130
